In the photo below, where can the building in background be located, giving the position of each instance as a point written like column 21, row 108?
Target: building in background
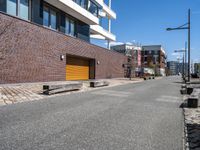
column 173, row 67
column 183, row 70
column 133, row 52
column 154, row 56
column 176, row 68
column 197, row 68
column 49, row 40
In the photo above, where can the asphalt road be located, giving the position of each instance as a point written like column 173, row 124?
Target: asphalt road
column 140, row 116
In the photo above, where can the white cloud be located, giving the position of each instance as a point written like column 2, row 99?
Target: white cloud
column 114, row 43
column 175, row 54
column 133, row 41
column 129, row 43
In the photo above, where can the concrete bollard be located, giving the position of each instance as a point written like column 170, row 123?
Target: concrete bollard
column 193, row 101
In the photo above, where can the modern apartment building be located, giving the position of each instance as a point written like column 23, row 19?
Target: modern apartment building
column 133, row 52
column 49, row 40
column 78, row 18
column 197, row 68
column 154, row 56
column 173, row 67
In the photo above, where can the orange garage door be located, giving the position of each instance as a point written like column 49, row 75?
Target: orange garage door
column 77, row 69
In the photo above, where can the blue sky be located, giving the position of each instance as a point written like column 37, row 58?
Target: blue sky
column 145, row 21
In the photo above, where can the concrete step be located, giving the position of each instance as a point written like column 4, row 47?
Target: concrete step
column 58, row 88
column 98, row 83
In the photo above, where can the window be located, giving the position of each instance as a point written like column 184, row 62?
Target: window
column 72, row 28
column 16, row 8
column 12, row 7
column 93, row 8
column 53, row 19
column 82, row 3
column 3, row 5
column 67, row 25
column 24, row 10
column 49, row 17
column 46, row 16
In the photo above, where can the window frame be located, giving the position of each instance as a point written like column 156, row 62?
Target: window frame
column 51, row 8
column 17, row 9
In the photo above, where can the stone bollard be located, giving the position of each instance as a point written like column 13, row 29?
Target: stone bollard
column 193, row 101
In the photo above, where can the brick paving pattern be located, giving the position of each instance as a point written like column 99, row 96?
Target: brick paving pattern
column 16, row 93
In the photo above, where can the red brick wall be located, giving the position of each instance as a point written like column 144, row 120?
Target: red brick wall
column 31, row 53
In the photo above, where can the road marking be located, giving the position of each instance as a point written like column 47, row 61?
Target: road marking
column 169, row 99
column 112, row 93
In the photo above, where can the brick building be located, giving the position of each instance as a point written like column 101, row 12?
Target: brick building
column 46, row 40
column 154, row 56
column 133, row 52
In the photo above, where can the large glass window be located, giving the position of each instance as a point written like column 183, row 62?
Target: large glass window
column 93, row 8
column 53, row 19
column 82, row 3
column 72, row 28
column 3, row 5
column 12, row 7
column 67, row 25
column 18, row 8
column 24, row 4
column 46, row 16
column 49, row 17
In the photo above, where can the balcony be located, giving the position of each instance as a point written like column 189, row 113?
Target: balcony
column 100, row 33
column 106, row 9
column 75, row 10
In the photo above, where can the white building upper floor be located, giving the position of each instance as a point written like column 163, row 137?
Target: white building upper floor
column 79, row 18
column 89, row 12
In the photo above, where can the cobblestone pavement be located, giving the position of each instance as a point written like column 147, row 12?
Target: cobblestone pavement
column 20, row 93
column 16, row 93
column 192, row 128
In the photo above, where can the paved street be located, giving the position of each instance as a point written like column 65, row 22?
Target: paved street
column 139, row 116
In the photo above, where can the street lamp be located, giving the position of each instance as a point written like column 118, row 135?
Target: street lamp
column 183, row 61
column 184, row 27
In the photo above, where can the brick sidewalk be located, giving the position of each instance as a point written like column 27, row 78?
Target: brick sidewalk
column 16, row 93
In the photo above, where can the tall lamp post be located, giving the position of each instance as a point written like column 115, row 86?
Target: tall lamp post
column 185, row 27
column 183, row 62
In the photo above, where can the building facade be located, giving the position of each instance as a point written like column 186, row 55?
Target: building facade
column 48, row 40
column 154, row 56
column 173, row 67
column 77, row 18
column 197, row 68
column 133, row 52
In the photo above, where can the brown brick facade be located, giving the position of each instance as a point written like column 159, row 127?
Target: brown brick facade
column 31, row 53
column 150, row 59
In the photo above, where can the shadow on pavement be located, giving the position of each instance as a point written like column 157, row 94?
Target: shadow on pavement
column 183, row 105
column 193, row 138
column 179, row 82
